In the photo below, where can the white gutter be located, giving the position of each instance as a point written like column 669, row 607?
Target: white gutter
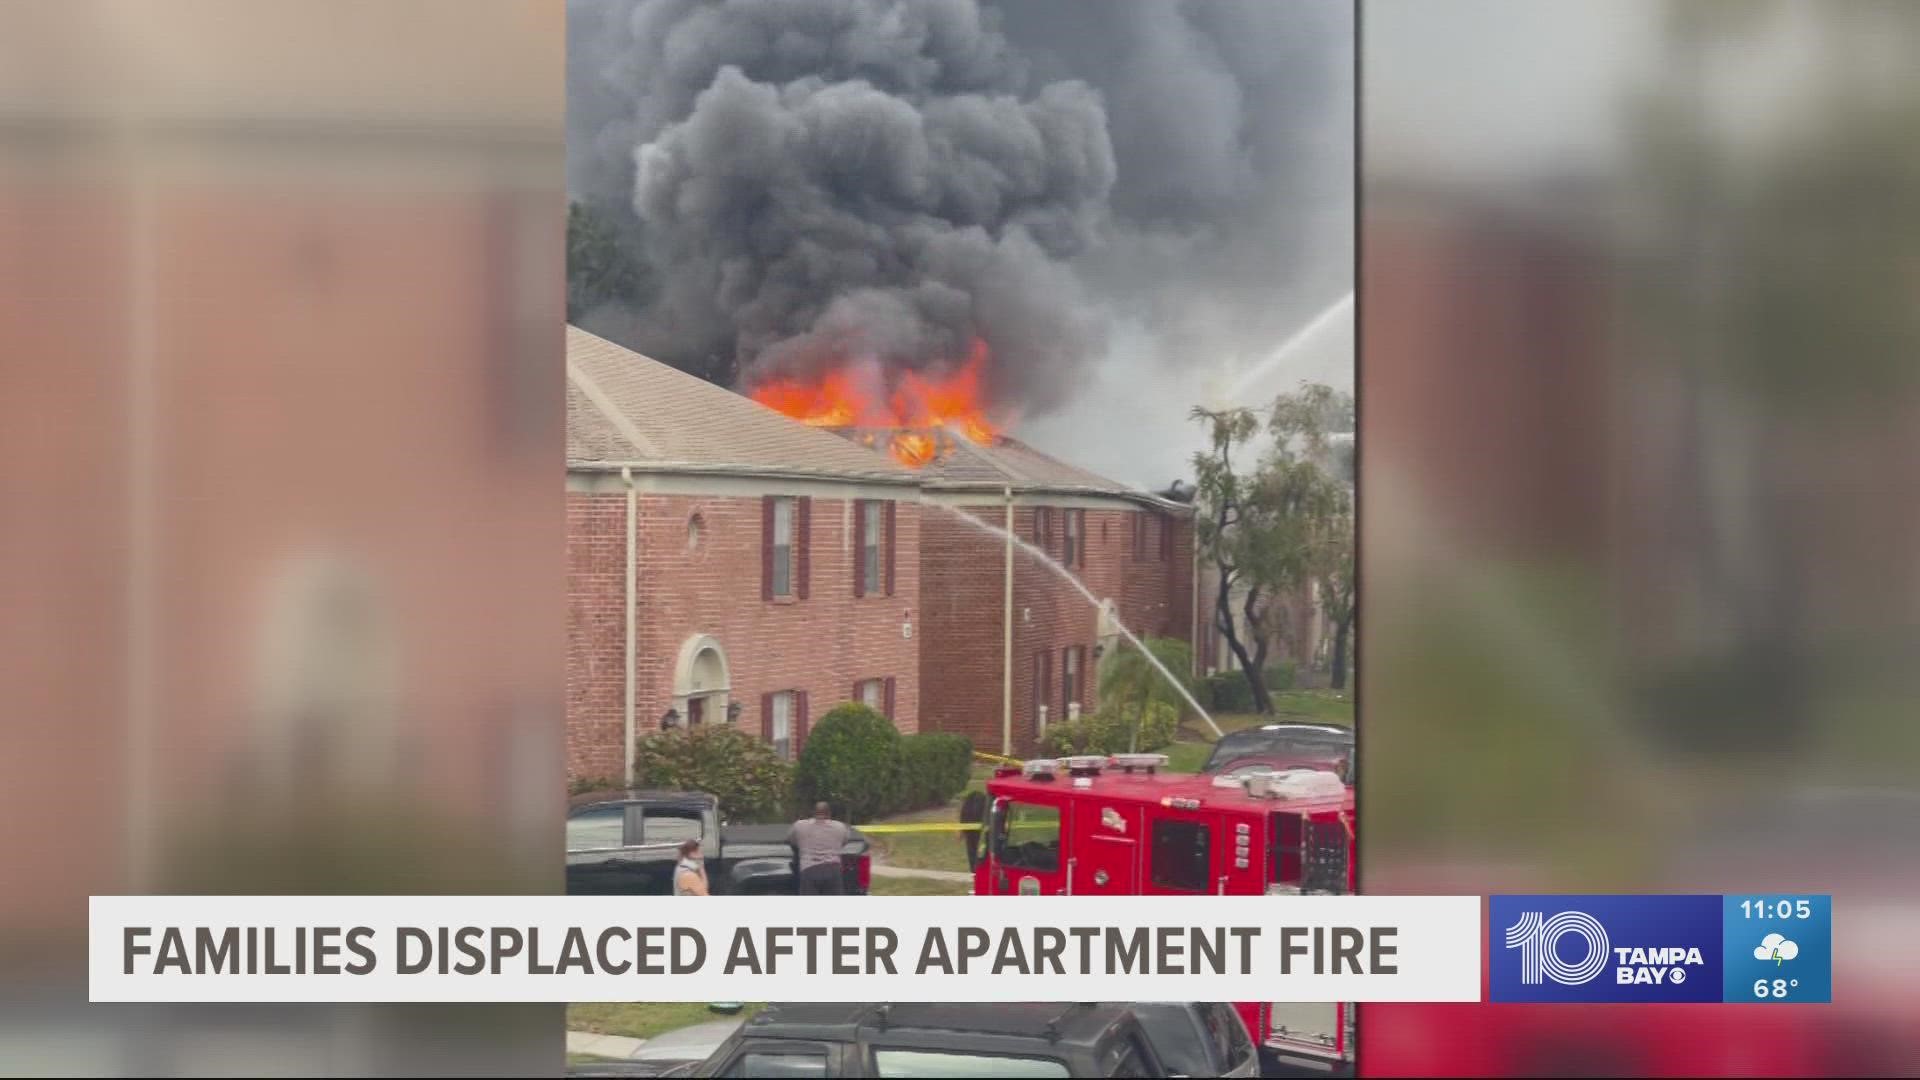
column 1006, row 659
column 756, row 472
column 633, row 500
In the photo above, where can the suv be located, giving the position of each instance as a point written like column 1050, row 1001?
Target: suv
column 1285, row 745
column 938, row 1039
column 1199, row 1038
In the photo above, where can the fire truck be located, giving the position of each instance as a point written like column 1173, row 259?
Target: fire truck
column 1124, row 825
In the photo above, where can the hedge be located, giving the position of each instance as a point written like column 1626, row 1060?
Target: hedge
column 1228, row 691
column 851, row 761
column 1108, row 730
column 742, row 770
column 935, row 767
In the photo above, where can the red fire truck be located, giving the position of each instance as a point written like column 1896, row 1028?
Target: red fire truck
column 1124, row 825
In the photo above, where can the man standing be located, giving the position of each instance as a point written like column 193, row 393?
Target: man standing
column 819, row 841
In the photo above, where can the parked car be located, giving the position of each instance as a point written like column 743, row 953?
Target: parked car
column 627, row 842
column 1199, row 1038
column 938, row 1040
column 1285, row 745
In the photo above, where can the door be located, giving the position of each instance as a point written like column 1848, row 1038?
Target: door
column 696, row 711
column 1186, row 853
column 1106, row 848
column 1027, row 847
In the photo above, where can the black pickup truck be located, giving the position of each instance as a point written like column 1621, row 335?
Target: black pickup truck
column 626, row 843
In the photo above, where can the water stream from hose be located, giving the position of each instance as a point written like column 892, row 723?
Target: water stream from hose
column 1068, row 575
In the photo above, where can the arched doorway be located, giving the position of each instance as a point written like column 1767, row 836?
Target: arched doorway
column 702, row 682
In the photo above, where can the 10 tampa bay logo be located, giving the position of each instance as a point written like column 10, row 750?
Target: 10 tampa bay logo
column 1604, row 948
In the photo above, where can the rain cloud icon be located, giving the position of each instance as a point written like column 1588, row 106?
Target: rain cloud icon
column 1777, row 948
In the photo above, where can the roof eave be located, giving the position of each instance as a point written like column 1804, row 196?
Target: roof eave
column 757, row 472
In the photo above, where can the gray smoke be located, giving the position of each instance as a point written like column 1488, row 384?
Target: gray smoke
column 818, row 180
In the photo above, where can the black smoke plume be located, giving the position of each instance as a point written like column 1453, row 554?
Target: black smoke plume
column 816, row 181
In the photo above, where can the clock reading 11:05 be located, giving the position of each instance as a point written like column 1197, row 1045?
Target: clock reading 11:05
column 1775, row 909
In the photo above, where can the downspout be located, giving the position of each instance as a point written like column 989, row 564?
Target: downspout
column 633, row 501
column 1006, row 658
column 1193, row 597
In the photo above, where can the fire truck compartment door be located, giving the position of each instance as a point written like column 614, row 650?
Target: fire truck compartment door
column 1106, row 848
column 1311, row 1027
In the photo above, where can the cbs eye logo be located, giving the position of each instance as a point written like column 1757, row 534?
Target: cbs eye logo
column 1538, row 940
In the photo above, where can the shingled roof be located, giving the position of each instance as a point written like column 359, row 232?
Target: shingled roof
column 1009, row 463
column 625, row 409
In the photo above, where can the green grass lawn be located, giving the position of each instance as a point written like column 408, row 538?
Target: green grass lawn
column 641, row 1019
column 929, row 851
column 899, row 886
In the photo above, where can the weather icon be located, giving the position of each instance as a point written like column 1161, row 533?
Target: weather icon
column 1777, row 948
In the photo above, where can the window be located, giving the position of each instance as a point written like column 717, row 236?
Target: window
column 1181, row 855
column 1239, row 1042
column 1130, row 1060
column 779, row 723
column 1283, row 862
column 1176, row 1038
column 779, row 1063
column 1216, row 1032
column 1076, row 546
column 782, row 547
column 785, row 527
column 1043, row 528
column 876, row 694
column 931, row 1063
column 1070, row 686
column 1030, row 837
column 597, row 829
column 1042, row 687
column 1139, row 536
column 669, row 825
column 872, row 539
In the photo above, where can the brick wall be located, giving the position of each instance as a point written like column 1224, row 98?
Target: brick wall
column 961, row 657
column 821, row 645
column 596, row 633
column 963, row 593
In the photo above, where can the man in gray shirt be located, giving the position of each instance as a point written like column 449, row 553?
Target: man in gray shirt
column 820, row 840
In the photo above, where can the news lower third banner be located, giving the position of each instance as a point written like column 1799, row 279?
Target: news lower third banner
column 767, row 948
column 1763, row 949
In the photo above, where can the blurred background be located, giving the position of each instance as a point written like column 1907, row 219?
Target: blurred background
column 281, row 299
column 1640, row 415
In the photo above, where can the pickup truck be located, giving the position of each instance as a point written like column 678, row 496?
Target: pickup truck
column 626, row 843
column 827, row 1040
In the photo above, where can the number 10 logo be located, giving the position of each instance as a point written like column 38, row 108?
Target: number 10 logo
column 1538, row 940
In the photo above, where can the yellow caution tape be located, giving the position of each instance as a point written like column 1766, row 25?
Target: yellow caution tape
column 919, row 827
column 996, row 758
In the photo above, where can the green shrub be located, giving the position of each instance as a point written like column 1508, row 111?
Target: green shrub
column 580, row 785
column 852, row 760
column 1228, row 691
column 742, row 770
column 1109, row 730
column 934, row 768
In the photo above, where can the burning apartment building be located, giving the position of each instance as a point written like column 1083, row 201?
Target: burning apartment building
column 733, row 562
